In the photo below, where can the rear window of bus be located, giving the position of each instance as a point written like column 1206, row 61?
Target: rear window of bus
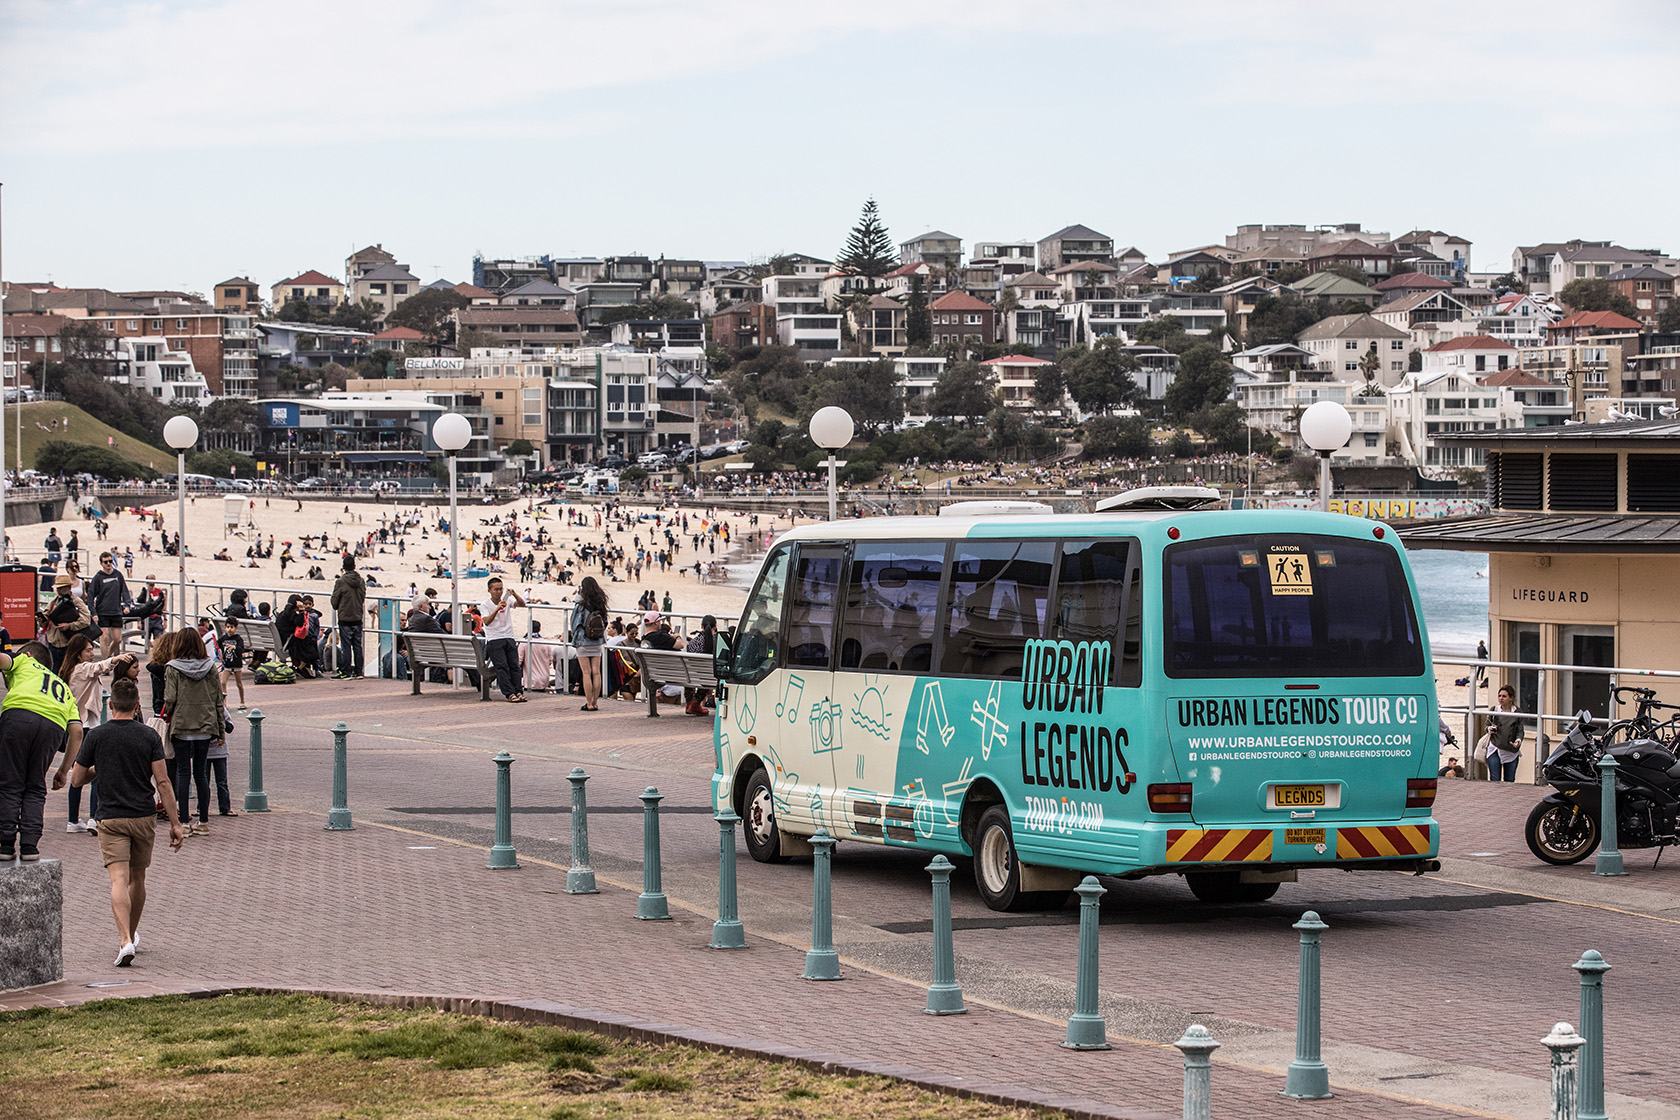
column 1272, row 606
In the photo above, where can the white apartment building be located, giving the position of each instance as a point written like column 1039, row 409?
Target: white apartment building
column 1339, row 343
column 626, row 399
column 1428, row 404
column 1276, row 407
column 1469, row 354
column 166, row 374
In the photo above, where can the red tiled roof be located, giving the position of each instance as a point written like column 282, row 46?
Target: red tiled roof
column 472, row 291
column 1015, row 360
column 1606, row 320
column 1472, row 342
column 398, row 334
column 1516, row 377
column 1413, row 280
column 959, row 301
column 312, row 278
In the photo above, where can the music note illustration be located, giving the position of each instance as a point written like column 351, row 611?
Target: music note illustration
column 788, row 705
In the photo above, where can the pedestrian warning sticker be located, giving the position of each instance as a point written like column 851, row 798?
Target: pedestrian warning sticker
column 1287, row 568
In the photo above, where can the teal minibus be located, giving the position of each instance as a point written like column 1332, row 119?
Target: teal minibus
column 1233, row 696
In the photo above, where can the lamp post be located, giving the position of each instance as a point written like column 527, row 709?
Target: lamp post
column 451, row 433
column 831, row 428
column 181, row 433
column 1325, row 427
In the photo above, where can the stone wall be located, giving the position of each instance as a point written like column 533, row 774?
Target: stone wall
column 31, row 924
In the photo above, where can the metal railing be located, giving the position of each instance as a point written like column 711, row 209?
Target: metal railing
column 554, row 617
column 1560, row 721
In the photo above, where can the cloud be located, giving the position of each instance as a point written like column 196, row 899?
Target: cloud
column 313, row 71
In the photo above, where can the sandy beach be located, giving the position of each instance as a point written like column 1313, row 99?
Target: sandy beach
column 425, row 549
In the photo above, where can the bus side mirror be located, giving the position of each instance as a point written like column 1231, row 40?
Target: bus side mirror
column 723, row 659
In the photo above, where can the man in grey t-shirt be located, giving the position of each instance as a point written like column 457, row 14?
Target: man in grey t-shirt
column 126, row 757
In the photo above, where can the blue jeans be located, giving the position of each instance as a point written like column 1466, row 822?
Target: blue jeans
column 503, row 656
column 1501, row 771
column 218, row 769
column 350, row 648
column 192, row 763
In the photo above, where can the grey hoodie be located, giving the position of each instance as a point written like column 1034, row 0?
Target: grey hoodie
column 192, row 695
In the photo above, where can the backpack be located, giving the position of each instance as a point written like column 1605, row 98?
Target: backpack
column 595, row 626
column 274, row 672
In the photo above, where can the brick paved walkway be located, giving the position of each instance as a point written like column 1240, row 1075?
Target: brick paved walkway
column 405, row 905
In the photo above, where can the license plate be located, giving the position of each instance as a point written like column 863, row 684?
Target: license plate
column 1291, row 797
column 1303, row 836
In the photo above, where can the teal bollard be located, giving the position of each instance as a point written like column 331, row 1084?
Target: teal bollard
column 1308, row 1078
column 822, row 962
column 1563, row 1042
column 338, row 818
column 1609, row 859
column 256, row 798
column 1197, row 1046
column 580, row 879
column 727, row 932
column 944, row 994
column 1087, row 1030
column 1592, row 968
column 650, row 904
column 502, row 855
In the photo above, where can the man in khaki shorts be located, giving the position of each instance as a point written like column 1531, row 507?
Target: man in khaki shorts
column 126, row 757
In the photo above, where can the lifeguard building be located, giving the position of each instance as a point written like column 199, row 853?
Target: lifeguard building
column 1583, row 544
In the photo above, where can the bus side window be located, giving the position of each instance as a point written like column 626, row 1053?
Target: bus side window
column 892, row 602
column 1000, row 592
column 811, row 602
column 1091, row 594
column 759, row 636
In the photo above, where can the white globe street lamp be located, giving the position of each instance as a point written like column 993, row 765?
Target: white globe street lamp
column 451, row 433
column 831, row 428
column 180, row 432
column 1325, row 427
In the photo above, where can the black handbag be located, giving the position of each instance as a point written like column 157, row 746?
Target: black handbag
column 63, row 610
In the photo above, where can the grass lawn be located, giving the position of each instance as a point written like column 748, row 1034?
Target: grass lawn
column 272, row 1056
column 83, row 429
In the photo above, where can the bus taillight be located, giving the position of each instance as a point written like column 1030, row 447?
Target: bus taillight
column 1170, row 797
column 1420, row 793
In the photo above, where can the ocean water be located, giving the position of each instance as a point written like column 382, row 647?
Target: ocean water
column 1454, row 590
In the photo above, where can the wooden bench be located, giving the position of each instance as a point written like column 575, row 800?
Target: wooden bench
column 446, row 651
column 662, row 667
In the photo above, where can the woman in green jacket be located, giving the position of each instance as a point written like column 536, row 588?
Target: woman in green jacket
column 193, row 705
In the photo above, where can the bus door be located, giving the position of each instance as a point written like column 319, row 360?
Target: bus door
column 1298, row 696
column 889, row 709
column 803, row 708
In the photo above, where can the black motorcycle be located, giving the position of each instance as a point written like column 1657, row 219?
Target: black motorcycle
column 1563, row 828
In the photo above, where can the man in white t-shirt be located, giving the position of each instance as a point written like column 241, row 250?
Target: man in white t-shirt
column 501, row 651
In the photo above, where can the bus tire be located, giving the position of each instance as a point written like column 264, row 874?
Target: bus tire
column 758, row 819
column 997, row 867
column 1225, row 886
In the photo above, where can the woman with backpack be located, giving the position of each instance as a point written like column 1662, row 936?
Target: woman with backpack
column 588, row 633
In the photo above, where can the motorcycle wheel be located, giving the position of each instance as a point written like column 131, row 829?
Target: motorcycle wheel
column 1561, row 834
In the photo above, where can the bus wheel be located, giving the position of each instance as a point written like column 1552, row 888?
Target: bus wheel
column 758, row 820
column 1223, row 886
column 997, row 869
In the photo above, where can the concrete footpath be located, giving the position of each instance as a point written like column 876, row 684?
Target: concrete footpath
column 405, row 906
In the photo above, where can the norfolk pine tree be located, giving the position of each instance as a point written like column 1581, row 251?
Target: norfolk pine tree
column 869, row 251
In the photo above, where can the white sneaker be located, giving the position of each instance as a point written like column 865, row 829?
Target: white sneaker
column 134, row 943
column 75, row 826
column 125, row 955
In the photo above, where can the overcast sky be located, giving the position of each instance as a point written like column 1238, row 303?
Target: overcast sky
column 176, row 143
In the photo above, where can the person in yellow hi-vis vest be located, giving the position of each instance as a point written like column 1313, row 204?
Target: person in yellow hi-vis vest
column 37, row 716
